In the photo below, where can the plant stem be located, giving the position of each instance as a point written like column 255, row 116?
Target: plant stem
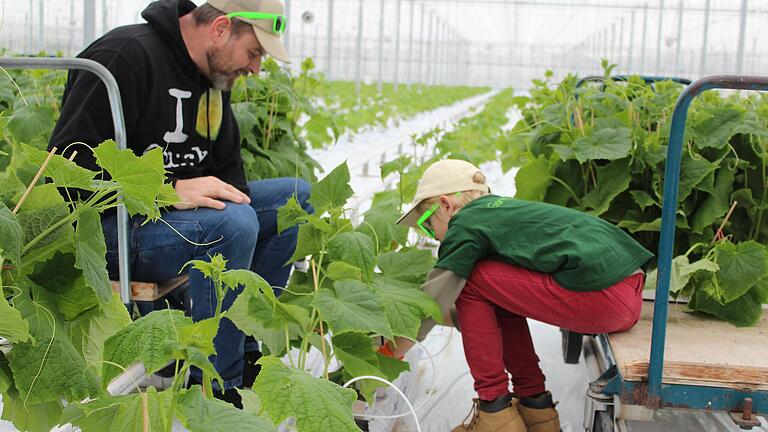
column 288, row 347
column 322, row 333
column 68, row 219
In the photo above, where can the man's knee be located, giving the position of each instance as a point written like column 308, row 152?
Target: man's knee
column 236, row 221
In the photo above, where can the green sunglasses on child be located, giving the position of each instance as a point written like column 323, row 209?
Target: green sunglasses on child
column 278, row 21
column 423, row 222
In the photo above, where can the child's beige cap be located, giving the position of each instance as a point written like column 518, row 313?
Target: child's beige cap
column 442, row 178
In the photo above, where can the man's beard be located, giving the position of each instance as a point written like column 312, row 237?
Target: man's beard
column 221, row 78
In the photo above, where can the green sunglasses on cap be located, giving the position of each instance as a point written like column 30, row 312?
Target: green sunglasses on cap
column 278, row 21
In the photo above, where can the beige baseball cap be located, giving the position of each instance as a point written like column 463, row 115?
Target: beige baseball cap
column 444, row 177
column 263, row 28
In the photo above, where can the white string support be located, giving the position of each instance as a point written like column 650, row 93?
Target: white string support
column 400, row 392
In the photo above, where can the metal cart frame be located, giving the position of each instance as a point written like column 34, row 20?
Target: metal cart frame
column 116, row 108
column 654, row 393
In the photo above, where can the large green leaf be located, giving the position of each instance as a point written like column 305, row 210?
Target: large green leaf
column 43, row 208
column 716, row 130
column 643, row 199
column 91, row 254
column 144, row 340
column 275, row 315
column 40, row 417
column 612, row 180
column 354, row 248
column 411, row 265
column 405, row 305
column 682, row 270
column 12, row 326
column 605, row 144
column 10, row 236
column 252, row 323
column 533, row 180
column 89, row 332
column 64, row 173
column 352, row 307
column 121, row 413
column 309, row 242
column 317, row 404
column 692, row 172
column 333, row 191
column 66, row 285
column 716, row 205
column 339, row 270
column 745, row 311
column 50, row 368
column 356, row 354
column 140, row 178
column 741, row 267
column 199, row 414
column 29, row 122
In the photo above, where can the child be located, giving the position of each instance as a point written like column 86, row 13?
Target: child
column 502, row 260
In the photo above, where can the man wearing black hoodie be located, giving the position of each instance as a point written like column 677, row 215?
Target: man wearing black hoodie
column 174, row 74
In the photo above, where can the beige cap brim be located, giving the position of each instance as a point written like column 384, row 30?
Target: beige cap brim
column 410, row 218
column 272, row 45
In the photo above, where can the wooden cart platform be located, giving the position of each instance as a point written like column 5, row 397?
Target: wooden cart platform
column 700, row 350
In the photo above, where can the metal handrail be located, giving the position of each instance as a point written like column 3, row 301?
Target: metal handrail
column 116, row 108
column 649, row 79
column 669, row 209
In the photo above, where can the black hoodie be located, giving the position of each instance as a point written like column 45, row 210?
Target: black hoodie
column 166, row 101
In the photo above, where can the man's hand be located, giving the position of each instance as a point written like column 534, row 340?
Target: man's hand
column 207, row 192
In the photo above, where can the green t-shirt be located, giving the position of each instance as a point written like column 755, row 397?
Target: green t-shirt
column 582, row 252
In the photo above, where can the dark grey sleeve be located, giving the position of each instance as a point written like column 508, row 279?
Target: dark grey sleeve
column 444, row 286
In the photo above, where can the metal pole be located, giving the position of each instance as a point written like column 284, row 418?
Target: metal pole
column 104, row 26
column 620, row 53
column 359, row 65
column 645, row 34
column 742, row 37
column 612, row 51
column 41, row 26
column 428, row 72
column 421, row 50
column 329, row 46
column 89, row 21
column 754, row 56
column 679, row 37
column 410, row 46
column 381, row 45
column 703, row 64
column 605, row 43
column 630, row 56
column 397, row 44
column 658, row 40
column 286, row 38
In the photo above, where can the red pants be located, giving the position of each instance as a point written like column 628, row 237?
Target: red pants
column 492, row 311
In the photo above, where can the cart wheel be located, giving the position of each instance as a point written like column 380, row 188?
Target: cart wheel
column 603, row 422
column 572, row 343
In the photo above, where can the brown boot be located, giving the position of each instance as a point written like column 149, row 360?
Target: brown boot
column 539, row 414
column 506, row 420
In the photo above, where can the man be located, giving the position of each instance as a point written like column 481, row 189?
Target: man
column 174, row 74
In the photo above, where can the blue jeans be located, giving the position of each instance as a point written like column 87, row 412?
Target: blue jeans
column 246, row 235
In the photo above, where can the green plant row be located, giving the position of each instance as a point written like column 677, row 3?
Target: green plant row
column 601, row 149
column 374, row 108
